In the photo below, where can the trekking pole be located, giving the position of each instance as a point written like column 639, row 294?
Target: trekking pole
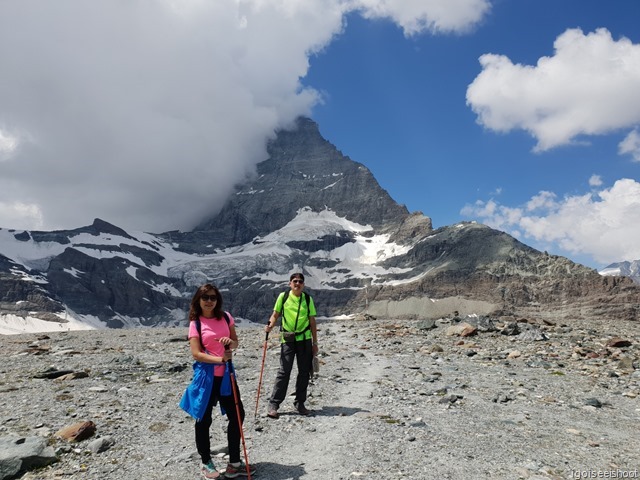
column 234, row 385
column 264, row 353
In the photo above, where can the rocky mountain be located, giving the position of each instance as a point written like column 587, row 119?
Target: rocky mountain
column 303, row 170
column 95, row 276
column 308, row 208
column 624, row 269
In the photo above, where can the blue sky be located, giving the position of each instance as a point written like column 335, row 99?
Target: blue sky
column 398, row 105
column 520, row 114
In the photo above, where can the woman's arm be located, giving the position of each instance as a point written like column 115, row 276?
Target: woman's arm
column 232, row 340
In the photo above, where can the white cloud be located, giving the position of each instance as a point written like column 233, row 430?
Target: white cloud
column 146, row 114
column 588, row 87
column 8, row 144
column 494, row 214
column 595, row 180
column 543, row 200
column 631, row 145
column 21, row 216
column 416, row 16
column 604, row 225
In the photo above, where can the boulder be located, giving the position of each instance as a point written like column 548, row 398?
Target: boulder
column 20, row 454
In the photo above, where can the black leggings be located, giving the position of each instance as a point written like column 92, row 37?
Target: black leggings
column 203, row 443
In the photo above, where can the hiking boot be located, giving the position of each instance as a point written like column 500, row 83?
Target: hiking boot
column 209, row 471
column 272, row 413
column 237, row 471
column 302, row 410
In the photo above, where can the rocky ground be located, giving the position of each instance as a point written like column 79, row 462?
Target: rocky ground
column 393, row 399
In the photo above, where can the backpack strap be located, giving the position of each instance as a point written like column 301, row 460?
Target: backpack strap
column 285, row 295
column 199, row 328
column 295, row 327
column 307, row 299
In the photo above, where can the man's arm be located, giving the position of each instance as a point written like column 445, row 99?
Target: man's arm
column 272, row 321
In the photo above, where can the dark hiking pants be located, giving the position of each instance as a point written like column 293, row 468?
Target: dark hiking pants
column 302, row 353
column 203, row 442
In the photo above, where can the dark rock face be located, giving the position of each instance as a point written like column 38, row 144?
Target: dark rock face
column 105, row 288
column 326, row 243
column 24, row 292
column 62, row 236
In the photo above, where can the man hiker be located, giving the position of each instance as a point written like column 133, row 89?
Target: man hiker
column 298, row 340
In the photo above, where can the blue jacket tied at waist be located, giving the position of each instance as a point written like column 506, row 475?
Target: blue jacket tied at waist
column 196, row 396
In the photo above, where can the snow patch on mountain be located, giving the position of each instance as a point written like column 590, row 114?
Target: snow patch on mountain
column 626, row 269
column 263, row 259
column 611, row 271
column 25, row 252
column 15, row 324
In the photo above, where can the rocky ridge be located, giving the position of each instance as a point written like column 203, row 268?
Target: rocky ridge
column 457, row 397
column 308, row 208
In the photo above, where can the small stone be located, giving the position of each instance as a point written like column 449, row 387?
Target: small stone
column 469, row 331
column 77, row 432
column 459, row 329
column 100, row 445
column 618, row 342
column 71, row 376
column 593, row 402
column 98, row 389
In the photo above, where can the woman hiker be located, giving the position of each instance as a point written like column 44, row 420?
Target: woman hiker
column 213, row 343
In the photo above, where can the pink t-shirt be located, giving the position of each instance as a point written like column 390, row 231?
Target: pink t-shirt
column 213, row 329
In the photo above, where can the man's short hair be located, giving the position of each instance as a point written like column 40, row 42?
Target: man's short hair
column 296, row 275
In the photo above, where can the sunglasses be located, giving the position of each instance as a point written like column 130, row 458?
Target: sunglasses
column 207, row 298
column 297, row 281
